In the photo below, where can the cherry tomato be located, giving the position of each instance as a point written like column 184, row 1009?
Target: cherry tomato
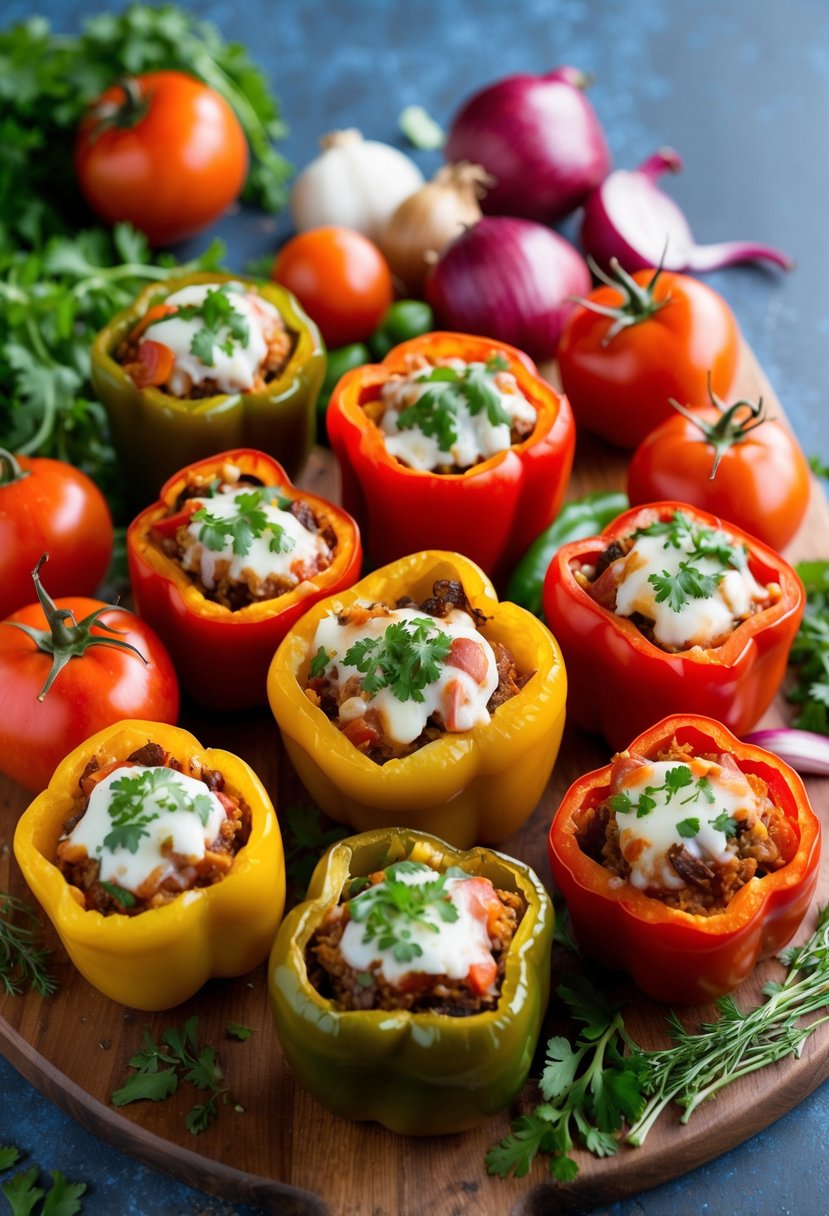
column 47, row 506
column 340, row 278
column 105, row 684
column 165, row 152
column 762, row 479
column 675, row 331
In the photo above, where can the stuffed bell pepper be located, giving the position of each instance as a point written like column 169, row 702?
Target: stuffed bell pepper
column 226, row 561
column 159, row 863
column 452, row 442
column 411, row 985
column 688, row 858
column 417, row 699
column 671, row 610
column 205, row 362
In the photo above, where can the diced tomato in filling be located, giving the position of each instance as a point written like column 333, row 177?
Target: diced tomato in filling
column 156, row 313
column 455, row 698
column 468, row 656
column 153, row 366
column 361, row 733
column 482, row 975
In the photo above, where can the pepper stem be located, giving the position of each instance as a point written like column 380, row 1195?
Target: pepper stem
column 63, row 641
column 729, row 428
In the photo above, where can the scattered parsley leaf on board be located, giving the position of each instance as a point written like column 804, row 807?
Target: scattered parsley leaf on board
column 9, row 1156
column 235, row 1030
column 63, row 1199
column 809, row 657
column 305, row 839
column 22, row 1191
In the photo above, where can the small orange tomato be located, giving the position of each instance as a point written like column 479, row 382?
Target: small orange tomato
column 340, row 278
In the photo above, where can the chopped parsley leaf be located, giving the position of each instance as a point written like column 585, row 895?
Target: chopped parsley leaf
column 451, row 392
column 406, row 658
column 248, row 524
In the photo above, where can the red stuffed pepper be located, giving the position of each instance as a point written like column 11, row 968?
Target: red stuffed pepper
column 670, row 610
column 452, row 442
column 227, row 561
column 687, row 859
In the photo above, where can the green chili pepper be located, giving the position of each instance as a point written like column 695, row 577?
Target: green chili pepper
column 402, row 320
column 582, row 517
column 340, row 361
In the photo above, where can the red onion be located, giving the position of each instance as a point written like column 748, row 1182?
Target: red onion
column 804, row 750
column 539, row 137
column 508, row 279
column 628, row 217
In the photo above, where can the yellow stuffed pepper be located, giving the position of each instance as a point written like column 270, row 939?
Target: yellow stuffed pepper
column 111, row 851
column 416, row 699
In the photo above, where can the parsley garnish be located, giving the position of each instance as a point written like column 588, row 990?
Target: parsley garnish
column 120, row 894
column 319, row 662
column 452, row 392
column 676, row 779
column 689, row 582
column 249, row 523
column 179, row 1056
column 724, row 823
column 388, row 910
column 129, row 814
column 406, row 658
column 218, row 317
column 22, row 961
column 688, row 828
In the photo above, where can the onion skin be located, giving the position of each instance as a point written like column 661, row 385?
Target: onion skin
column 629, row 218
column 509, row 279
column 541, row 140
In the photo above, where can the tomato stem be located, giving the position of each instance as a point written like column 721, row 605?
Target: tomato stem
column 10, row 470
column 729, row 428
column 637, row 302
column 125, row 113
column 68, row 641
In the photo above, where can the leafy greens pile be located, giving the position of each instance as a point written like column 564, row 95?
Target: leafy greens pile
column 60, row 282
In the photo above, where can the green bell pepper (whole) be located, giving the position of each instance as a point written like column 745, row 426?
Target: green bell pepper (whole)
column 582, row 517
column 419, row 1074
column 156, row 434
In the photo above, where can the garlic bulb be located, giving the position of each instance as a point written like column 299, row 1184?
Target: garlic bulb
column 354, row 182
column 425, row 222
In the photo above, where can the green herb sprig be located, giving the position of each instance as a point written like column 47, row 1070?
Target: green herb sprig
column 23, row 1194
column 689, row 582
column 389, row 910
column 130, row 814
column 248, row 524
column 452, row 392
column 406, row 658
column 306, row 838
column 809, row 657
column 218, row 317
column 179, row 1056
column 22, row 961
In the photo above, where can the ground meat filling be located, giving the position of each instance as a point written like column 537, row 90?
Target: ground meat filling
column 367, row 732
column 82, row 872
column 417, row 991
column 759, row 845
column 250, row 587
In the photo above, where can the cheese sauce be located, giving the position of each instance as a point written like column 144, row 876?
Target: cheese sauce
column 452, row 950
column 455, row 695
column 179, row 831
column 699, row 622
column 301, row 549
column 644, row 839
column 477, row 437
column 234, row 369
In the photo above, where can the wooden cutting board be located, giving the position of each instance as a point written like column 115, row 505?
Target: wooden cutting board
column 285, row 1152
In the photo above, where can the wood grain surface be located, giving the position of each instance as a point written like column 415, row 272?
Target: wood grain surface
column 285, row 1152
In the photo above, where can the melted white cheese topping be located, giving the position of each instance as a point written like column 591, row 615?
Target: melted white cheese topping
column 478, row 438
column 177, row 831
column 455, row 695
column 233, row 372
column 644, row 841
column 305, row 551
column 457, row 946
column 699, row 622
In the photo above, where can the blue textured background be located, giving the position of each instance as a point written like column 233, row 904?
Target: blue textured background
column 742, row 91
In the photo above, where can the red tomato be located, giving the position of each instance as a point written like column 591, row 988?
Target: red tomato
column 619, row 387
column 762, row 480
column 104, row 685
column 341, row 280
column 166, row 153
column 47, row 506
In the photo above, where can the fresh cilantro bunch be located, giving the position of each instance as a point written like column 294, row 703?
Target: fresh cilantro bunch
column 131, row 815
column 389, row 910
column 248, row 524
column 810, row 653
column 217, row 314
column 406, row 658
column 452, row 392
column 689, row 582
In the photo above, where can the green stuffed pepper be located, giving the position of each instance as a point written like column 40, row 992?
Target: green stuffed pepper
column 426, row 1018
column 204, row 363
